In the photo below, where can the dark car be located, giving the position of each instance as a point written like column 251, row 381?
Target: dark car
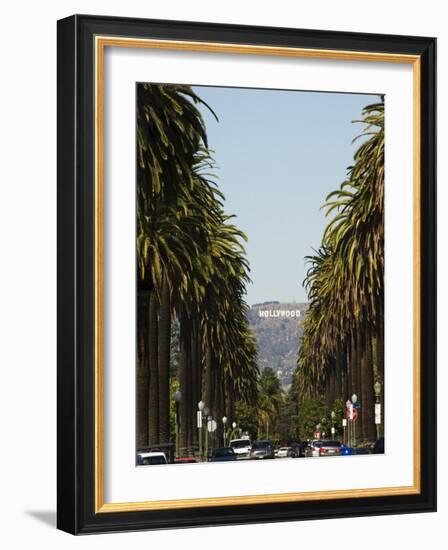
column 298, row 449
column 262, row 449
column 223, row 454
column 378, row 448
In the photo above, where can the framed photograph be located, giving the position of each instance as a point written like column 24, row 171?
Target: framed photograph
column 246, row 274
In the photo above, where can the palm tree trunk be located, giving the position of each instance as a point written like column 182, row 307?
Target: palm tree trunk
column 189, row 389
column 164, row 338
column 331, row 383
column 355, row 364
column 200, row 360
column 338, row 373
column 219, row 381
column 230, row 401
column 369, row 402
column 208, row 375
column 195, row 368
column 347, row 374
column 380, row 367
column 142, row 374
column 153, row 402
column 185, row 349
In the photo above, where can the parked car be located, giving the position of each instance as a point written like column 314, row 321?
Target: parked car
column 285, row 452
column 379, row 446
column 223, row 454
column 350, row 451
column 300, row 449
column 262, row 449
column 296, row 450
column 330, row 447
column 151, row 458
column 242, row 447
column 305, row 448
column 314, row 447
column 346, row 450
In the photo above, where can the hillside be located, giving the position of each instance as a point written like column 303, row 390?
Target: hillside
column 277, row 327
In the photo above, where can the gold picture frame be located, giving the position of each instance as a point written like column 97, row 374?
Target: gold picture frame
column 98, row 34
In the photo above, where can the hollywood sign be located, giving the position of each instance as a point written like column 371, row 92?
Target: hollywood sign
column 265, row 313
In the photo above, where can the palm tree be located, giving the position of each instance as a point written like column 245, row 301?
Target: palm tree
column 170, row 132
column 345, row 281
column 191, row 262
column 271, row 398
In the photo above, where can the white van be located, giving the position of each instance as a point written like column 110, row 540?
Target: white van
column 242, row 447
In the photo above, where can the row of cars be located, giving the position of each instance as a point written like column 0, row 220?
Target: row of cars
column 326, row 447
column 240, row 449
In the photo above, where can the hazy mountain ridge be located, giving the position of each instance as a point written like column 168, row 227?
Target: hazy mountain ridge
column 277, row 327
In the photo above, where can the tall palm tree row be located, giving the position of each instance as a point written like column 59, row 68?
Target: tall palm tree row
column 342, row 348
column 191, row 268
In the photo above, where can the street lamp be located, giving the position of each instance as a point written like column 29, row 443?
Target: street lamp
column 177, row 397
column 224, row 422
column 377, row 388
column 201, row 406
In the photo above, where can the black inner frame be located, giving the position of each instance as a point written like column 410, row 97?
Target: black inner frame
column 76, row 390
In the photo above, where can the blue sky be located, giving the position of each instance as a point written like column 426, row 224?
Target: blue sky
column 279, row 153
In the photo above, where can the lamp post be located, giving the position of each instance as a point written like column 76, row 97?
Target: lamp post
column 201, row 406
column 354, row 400
column 377, row 388
column 224, row 422
column 177, row 397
